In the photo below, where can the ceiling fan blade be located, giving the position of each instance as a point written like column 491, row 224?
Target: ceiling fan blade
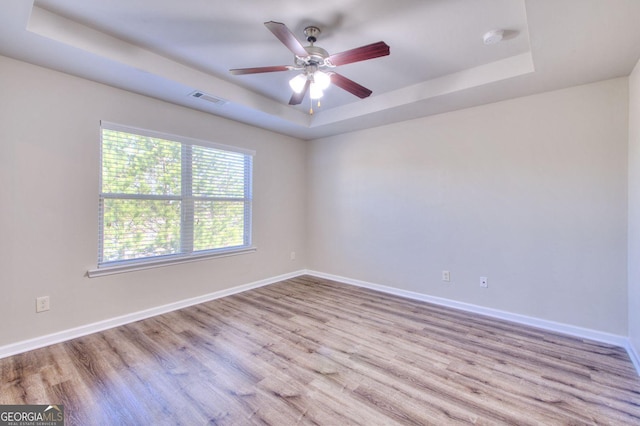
column 370, row 51
column 287, row 38
column 350, row 86
column 296, row 98
column 256, row 70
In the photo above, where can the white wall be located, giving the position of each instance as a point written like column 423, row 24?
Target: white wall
column 634, row 208
column 49, row 158
column 529, row 192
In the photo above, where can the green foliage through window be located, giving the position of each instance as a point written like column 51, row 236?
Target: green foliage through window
column 164, row 197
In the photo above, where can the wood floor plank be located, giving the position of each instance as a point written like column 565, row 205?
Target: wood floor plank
column 314, row 351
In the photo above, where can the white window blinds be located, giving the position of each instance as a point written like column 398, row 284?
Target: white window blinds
column 164, row 196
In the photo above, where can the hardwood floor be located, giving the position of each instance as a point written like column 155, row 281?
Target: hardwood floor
column 312, row 351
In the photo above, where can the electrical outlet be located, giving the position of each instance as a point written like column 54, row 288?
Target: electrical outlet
column 42, row 304
column 292, row 256
column 484, row 283
column 446, row 276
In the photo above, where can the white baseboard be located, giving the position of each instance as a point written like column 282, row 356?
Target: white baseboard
column 633, row 354
column 50, row 339
column 583, row 333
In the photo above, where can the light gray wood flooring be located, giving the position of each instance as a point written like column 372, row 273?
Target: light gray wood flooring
column 312, row 351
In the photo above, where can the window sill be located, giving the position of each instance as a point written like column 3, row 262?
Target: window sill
column 119, row 269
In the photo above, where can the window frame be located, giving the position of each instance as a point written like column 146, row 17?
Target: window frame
column 186, row 198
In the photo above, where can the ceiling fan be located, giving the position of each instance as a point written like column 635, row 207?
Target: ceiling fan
column 316, row 64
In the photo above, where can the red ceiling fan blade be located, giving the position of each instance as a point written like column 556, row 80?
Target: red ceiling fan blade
column 370, row 51
column 350, row 86
column 256, row 70
column 296, row 98
column 287, row 38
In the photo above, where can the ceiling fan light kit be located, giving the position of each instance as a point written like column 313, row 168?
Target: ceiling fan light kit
column 313, row 62
column 297, row 83
column 321, row 79
column 315, row 92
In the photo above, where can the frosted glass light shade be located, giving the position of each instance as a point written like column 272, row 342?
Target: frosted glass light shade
column 297, row 83
column 315, row 91
column 321, row 79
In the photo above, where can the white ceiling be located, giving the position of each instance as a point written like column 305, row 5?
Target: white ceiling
column 438, row 62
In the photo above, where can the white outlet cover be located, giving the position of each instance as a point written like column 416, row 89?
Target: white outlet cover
column 42, row 304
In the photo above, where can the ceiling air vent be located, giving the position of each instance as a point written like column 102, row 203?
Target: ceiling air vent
column 209, row 98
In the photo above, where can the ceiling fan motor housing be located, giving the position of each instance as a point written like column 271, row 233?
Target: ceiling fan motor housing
column 316, row 56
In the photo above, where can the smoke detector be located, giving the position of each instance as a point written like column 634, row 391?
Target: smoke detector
column 493, row 37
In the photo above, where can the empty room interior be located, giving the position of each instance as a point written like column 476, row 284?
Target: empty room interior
column 337, row 212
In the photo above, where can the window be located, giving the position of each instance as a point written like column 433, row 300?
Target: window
column 165, row 197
